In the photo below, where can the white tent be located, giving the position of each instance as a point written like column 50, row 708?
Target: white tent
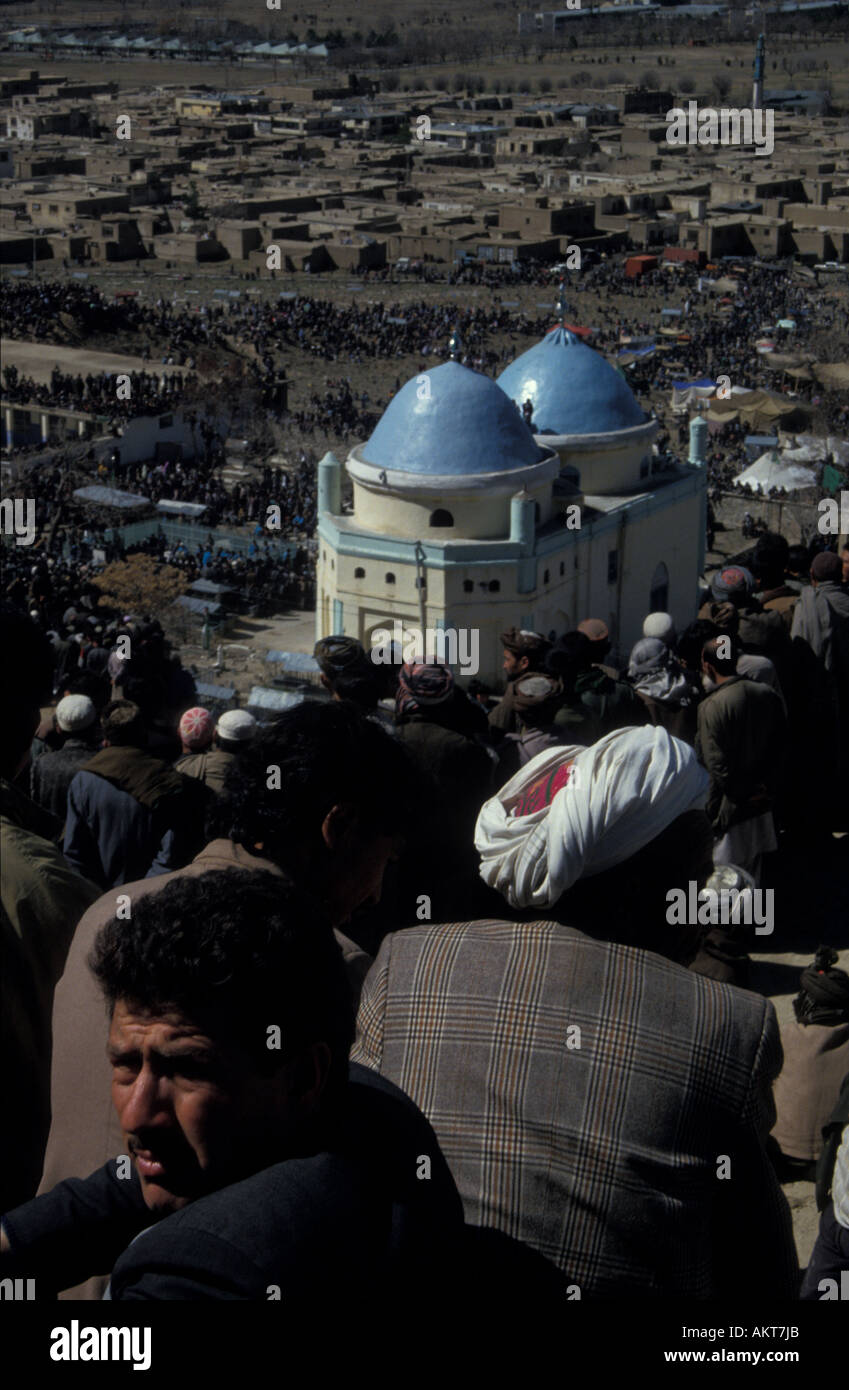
column 813, row 448
column 773, row 470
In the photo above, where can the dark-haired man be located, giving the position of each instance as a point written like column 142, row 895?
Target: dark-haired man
column 523, row 651
column 258, row 1170
column 349, row 672
column 317, row 798
column 129, row 813
column 770, row 560
column 596, row 703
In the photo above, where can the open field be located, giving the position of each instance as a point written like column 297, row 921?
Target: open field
column 567, row 74
column 425, row 44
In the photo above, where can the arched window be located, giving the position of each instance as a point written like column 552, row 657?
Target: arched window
column 546, row 576
column 562, row 569
column 494, row 586
column 390, row 577
column 359, row 573
column 659, row 595
column 441, row 518
column 468, row 586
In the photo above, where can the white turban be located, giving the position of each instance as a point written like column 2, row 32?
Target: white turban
column 622, row 792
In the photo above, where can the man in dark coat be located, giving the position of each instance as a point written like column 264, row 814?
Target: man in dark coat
column 321, row 799
column 595, row 702
column 741, row 742
column 51, row 774
column 760, row 632
column 258, row 1169
column 41, row 901
column 821, row 636
column 771, row 557
column 130, row 814
column 445, row 734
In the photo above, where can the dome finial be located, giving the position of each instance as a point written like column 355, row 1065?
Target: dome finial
column 454, row 346
column 560, row 306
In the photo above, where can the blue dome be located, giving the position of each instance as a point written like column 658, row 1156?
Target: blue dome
column 464, row 424
column 574, row 389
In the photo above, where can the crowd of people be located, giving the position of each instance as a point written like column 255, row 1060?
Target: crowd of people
column 144, row 393
column 393, row 985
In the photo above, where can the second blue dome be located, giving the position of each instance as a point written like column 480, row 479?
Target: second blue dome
column 574, row 390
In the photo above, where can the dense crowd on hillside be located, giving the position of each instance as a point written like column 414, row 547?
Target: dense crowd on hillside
column 411, row 930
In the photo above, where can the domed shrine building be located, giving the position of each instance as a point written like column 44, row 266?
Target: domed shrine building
column 533, row 501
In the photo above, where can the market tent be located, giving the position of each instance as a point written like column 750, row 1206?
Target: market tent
column 208, row 586
column 110, row 497
column 685, row 393
column 755, row 444
column 263, row 702
column 834, row 374
column 215, row 698
column 296, row 664
column 810, row 448
column 174, row 506
column 625, row 357
column 203, row 607
column 756, row 409
column 772, row 470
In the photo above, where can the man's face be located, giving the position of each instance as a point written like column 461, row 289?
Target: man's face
column 514, row 665
column 194, row 1112
column 359, row 855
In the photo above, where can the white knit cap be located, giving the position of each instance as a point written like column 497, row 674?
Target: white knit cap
column 660, row 625
column 236, row 725
column 75, row 712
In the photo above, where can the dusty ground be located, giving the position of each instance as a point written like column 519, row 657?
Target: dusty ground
column 495, row 52
column 38, row 360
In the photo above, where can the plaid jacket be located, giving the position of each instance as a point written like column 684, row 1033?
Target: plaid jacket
column 589, row 1099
